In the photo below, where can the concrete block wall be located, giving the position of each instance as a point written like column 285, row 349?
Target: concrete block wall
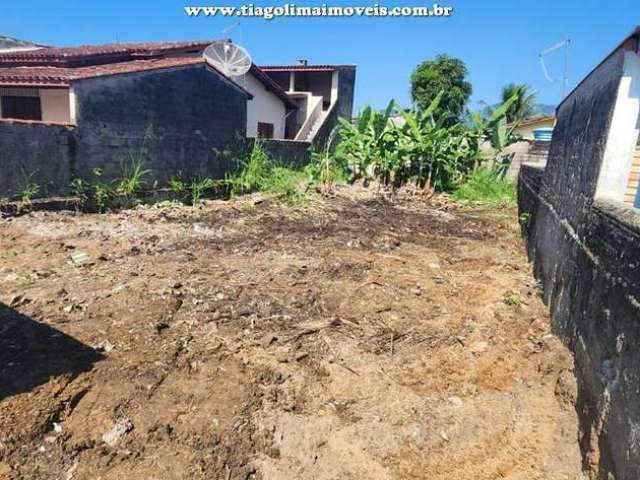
column 188, row 119
column 43, row 154
column 585, row 252
column 289, row 152
column 526, row 152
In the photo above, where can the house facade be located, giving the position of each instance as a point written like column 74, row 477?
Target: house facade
column 65, row 111
column 320, row 92
column 526, row 128
column 268, row 110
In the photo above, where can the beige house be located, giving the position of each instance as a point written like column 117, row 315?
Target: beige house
column 526, row 127
column 268, row 110
column 317, row 91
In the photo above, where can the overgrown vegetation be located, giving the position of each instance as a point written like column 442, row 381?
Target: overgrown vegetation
column 259, row 172
column 429, row 149
column 487, row 186
column 424, row 149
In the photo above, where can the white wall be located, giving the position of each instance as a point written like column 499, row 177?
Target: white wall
column 623, row 134
column 264, row 107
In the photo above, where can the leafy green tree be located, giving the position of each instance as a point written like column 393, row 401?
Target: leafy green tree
column 525, row 102
column 443, row 74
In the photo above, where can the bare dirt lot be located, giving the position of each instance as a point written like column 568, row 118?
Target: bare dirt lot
column 342, row 338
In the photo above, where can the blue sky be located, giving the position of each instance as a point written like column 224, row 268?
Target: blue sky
column 498, row 40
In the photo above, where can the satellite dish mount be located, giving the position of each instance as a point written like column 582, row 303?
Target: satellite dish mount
column 227, row 57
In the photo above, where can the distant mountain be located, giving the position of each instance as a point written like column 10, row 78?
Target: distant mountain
column 539, row 109
column 546, row 109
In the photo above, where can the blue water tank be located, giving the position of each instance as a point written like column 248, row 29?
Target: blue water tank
column 543, row 134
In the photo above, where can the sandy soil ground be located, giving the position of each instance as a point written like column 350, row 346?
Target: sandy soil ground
column 343, row 338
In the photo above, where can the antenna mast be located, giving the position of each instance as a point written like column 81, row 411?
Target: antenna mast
column 565, row 71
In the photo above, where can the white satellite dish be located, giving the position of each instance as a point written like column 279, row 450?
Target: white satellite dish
column 229, row 58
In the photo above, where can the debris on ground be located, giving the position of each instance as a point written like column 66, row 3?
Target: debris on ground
column 345, row 337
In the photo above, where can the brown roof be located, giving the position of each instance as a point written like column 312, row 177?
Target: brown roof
column 299, row 68
column 66, row 56
column 58, row 67
column 64, row 76
column 534, row 120
column 272, row 86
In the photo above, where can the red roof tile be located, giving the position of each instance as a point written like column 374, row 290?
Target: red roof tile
column 67, row 55
column 64, row 76
column 58, row 67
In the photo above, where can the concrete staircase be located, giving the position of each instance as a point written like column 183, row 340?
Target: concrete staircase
column 316, row 125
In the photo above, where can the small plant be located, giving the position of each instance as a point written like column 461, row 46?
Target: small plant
column 524, row 220
column 178, row 186
column 132, row 177
column 93, row 194
column 512, row 299
column 101, row 197
column 197, row 189
column 82, row 189
column 325, row 169
column 29, row 191
column 29, row 188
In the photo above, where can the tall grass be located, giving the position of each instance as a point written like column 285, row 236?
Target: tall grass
column 133, row 177
column 487, row 186
column 259, row 172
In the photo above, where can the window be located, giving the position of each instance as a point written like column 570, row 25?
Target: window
column 24, row 108
column 265, row 130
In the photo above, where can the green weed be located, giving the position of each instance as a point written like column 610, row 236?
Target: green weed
column 133, row 177
column 486, row 186
column 260, row 173
column 512, row 299
column 198, row 187
column 29, row 189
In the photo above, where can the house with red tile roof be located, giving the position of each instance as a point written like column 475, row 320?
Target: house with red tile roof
column 64, row 111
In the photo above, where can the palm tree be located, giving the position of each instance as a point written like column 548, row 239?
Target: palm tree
column 525, row 104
